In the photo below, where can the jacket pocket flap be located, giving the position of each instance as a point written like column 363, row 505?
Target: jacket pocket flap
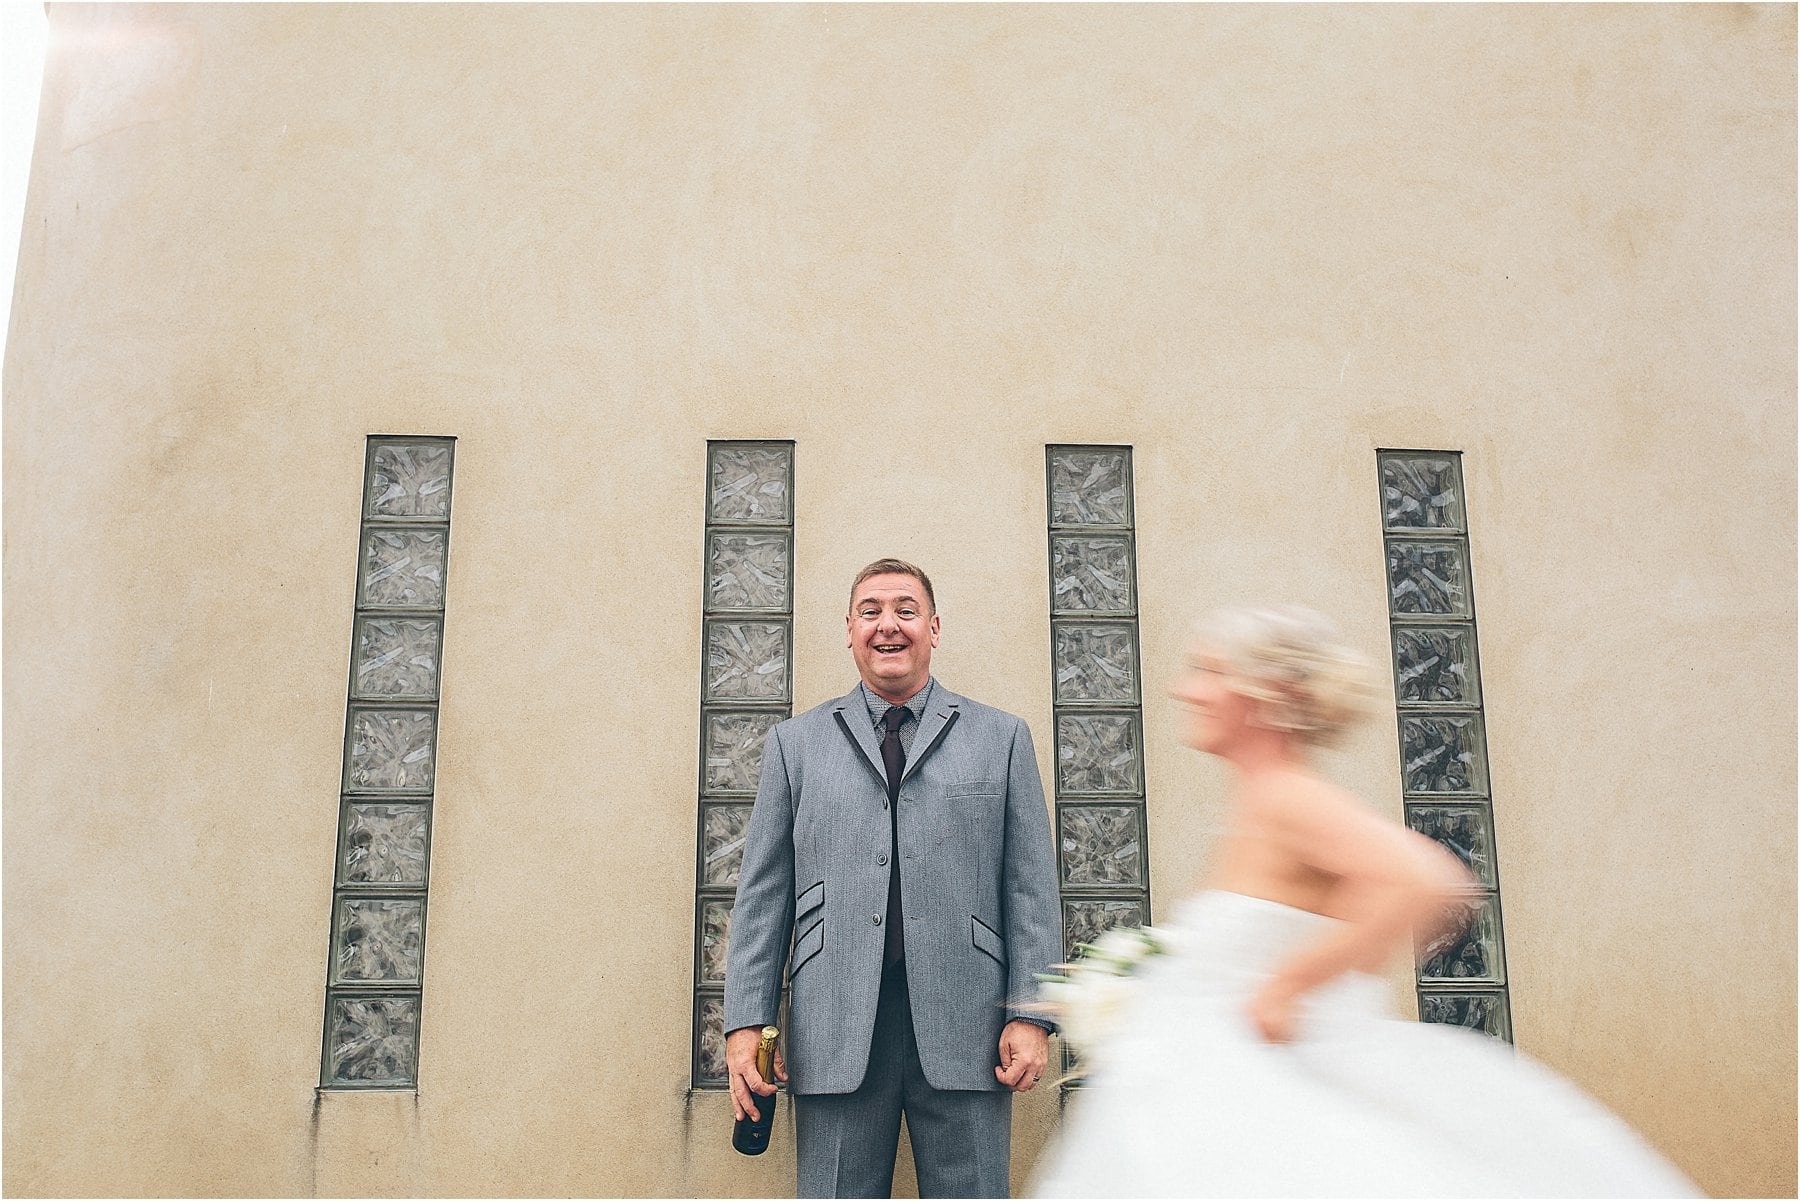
column 808, row 901
column 807, row 946
column 987, row 941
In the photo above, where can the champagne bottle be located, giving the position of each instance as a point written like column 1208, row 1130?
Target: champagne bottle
column 751, row 1136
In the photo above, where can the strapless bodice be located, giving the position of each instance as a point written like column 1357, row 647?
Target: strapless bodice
column 1228, row 944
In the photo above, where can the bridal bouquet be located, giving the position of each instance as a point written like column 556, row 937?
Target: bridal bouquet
column 1086, row 997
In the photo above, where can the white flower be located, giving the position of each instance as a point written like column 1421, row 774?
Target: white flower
column 1091, row 1008
column 1120, row 945
column 1087, row 999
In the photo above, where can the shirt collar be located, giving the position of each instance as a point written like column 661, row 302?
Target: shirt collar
column 916, row 704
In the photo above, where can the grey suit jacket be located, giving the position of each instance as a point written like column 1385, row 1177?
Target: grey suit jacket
column 977, row 878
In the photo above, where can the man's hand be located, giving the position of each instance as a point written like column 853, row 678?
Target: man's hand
column 746, row 1082
column 1024, row 1050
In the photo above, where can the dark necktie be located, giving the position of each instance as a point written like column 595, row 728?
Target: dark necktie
column 893, row 757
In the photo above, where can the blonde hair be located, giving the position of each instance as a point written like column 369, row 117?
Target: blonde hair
column 1306, row 681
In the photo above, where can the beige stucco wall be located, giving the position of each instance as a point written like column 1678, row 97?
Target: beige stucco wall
column 1254, row 243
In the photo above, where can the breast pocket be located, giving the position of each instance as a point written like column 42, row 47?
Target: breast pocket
column 978, row 806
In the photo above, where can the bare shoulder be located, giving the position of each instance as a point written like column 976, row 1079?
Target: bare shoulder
column 1302, row 798
column 1333, row 830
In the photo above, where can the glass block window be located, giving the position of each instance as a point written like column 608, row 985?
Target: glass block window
column 376, row 973
column 746, row 686
column 1443, row 745
column 1097, row 693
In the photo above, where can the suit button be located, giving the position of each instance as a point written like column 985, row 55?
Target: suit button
column 881, row 861
column 877, row 919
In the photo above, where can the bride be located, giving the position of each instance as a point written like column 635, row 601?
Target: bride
column 1255, row 1055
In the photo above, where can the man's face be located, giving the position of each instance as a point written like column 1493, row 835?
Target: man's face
column 891, row 633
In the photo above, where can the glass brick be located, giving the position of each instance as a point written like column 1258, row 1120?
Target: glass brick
column 1073, row 1071
column 1482, row 1011
column 1098, row 753
column 709, row 1040
column 1095, row 661
column 1091, row 573
column 1090, row 486
column 1435, row 665
column 390, row 749
column 1442, row 753
column 1086, row 919
column 384, row 844
column 1427, row 577
column 723, row 831
column 372, row 1041
column 746, row 661
column 734, row 747
column 1464, row 830
column 715, row 940
column 403, row 569
column 747, row 572
column 1421, row 492
column 410, row 479
column 1101, row 844
column 751, row 484
column 378, row 940
column 1468, row 953
column 397, row 658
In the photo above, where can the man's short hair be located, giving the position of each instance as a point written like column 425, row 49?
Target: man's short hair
column 893, row 567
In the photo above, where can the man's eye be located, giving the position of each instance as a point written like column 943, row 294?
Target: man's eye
column 909, row 613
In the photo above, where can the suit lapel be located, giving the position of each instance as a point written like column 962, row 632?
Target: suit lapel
column 932, row 728
column 853, row 715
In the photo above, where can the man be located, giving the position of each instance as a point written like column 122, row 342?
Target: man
column 900, row 836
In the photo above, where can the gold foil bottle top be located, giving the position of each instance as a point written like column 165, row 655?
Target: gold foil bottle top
column 765, row 1052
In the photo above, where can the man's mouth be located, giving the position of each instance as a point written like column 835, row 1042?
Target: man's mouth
column 890, row 648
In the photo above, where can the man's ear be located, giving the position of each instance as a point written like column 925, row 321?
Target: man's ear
column 935, row 627
column 849, row 634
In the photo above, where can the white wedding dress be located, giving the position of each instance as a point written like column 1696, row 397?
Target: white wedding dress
column 1186, row 1099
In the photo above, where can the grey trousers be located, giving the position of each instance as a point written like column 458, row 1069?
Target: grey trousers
column 846, row 1143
